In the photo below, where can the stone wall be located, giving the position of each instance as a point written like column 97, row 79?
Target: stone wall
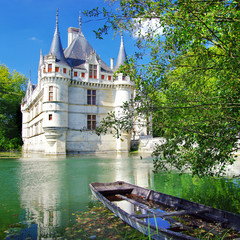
column 147, row 144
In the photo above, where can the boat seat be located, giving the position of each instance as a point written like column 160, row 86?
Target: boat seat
column 112, row 190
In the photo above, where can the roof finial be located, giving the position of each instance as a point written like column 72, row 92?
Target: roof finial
column 121, row 34
column 57, row 18
column 80, row 21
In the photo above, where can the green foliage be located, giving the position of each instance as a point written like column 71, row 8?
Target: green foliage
column 12, row 87
column 189, row 82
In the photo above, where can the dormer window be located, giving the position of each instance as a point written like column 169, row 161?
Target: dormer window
column 102, row 77
column 92, row 71
column 56, row 69
column 83, row 75
column 124, row 78
column 64, row 70
column 109, row 78
column 75, row 74
column 49, row 67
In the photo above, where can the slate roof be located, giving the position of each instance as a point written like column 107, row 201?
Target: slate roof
column 56, row 47
column 78, row 52
column 122, row 56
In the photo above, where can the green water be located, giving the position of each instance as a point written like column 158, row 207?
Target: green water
column 45, row 191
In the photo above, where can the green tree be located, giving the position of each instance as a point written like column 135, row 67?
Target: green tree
column 12, row 86
column 190, row 83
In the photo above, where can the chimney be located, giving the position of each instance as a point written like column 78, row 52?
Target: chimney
column 112, row 63
column 72, row 34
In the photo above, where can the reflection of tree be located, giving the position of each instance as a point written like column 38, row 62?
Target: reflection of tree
column 10, row 210
column 220, row 193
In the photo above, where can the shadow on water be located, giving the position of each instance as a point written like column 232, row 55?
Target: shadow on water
column 47, row 191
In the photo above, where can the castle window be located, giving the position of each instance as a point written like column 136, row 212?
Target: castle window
column 102, row 77
column 92, row 71
column 49, row 67
column 83, row 75
column 64, row 70
column 75, row 74
column 50, row 98
column 109, row 78
column 91, row 122
column 50, row 117
column 56, row 69
column 91, row 97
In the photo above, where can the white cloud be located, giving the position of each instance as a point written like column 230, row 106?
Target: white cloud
column 33, row 39
column 143, row 27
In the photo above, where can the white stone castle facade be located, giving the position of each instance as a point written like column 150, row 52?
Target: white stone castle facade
column 75, row 91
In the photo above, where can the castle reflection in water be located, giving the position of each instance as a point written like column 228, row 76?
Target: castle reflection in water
column 51, row 189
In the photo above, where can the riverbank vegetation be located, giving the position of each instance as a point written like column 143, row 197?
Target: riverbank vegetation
column 12, row 90
column 186, row 71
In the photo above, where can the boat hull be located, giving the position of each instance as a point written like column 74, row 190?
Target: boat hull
column 101, row 190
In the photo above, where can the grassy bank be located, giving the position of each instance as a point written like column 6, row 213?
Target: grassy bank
column 10, row 154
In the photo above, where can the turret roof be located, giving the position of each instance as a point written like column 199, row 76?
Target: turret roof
column 122, row 56
column 41, row 59
column 56, row 46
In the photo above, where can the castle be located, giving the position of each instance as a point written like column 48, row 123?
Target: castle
column 75, row 91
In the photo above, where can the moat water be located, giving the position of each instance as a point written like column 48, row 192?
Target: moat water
column 45, row 192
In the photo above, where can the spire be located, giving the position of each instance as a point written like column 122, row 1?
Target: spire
column 122, row 56
column 29, row 86
column 56, row 46
column 80, row 22
column 57, row 19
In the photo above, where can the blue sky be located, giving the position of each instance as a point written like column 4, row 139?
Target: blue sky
column 26, row 26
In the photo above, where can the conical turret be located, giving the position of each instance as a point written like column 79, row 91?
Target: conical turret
column 41, row 59
column 56, row 46
column 122, row 56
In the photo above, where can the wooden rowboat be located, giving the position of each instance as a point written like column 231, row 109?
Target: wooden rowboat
column 164, row 216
